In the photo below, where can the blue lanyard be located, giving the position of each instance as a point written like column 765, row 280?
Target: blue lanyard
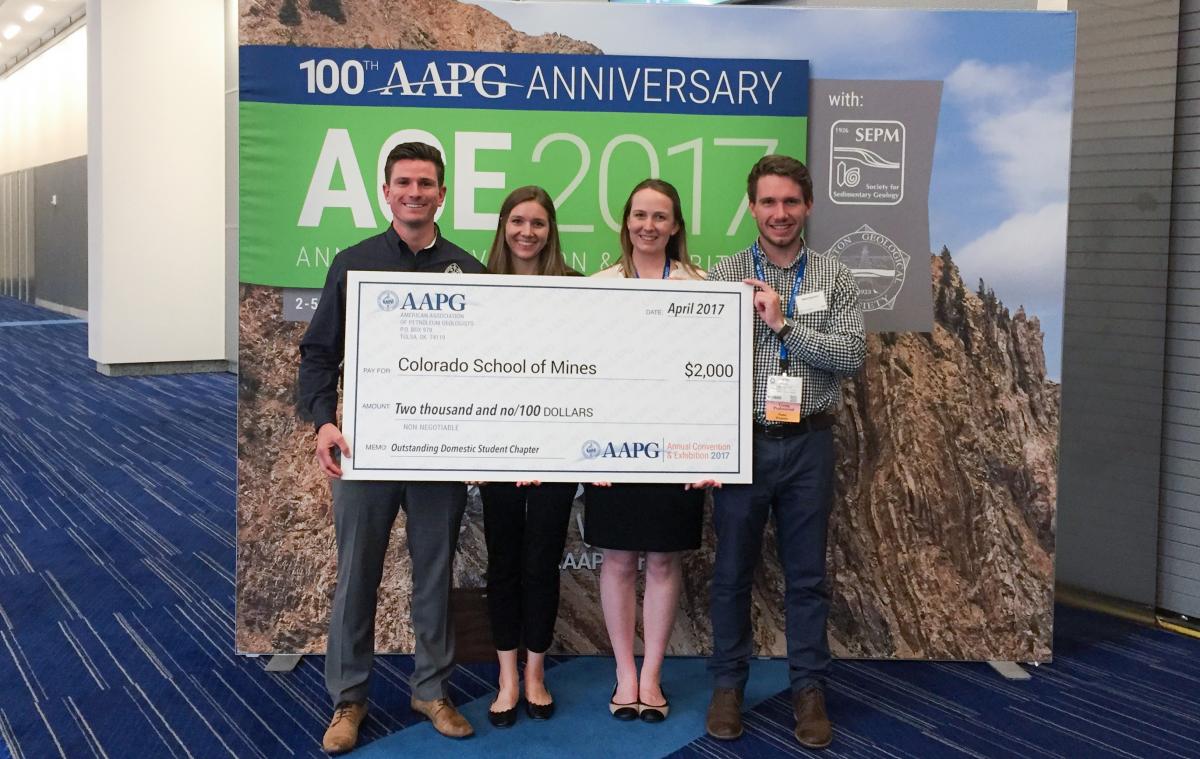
column 666, row 270
column 791, row 302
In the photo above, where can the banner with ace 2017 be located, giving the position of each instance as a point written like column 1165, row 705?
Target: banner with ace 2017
column 317, row 123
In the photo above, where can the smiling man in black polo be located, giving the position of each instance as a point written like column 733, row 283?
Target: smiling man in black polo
column 363, row 511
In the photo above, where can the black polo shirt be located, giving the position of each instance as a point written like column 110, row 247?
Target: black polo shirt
column 323, row 346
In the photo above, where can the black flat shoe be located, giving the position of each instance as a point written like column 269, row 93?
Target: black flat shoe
column 624, row 712
column 506, row 718
column 539, row 711
column 655, row 714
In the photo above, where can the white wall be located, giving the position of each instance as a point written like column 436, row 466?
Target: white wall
column 232, row 94
column 43, row 107
column 156, row 181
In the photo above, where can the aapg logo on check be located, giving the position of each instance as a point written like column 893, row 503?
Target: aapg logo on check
column 622, row 450
column 878, row 265
column 388, row 300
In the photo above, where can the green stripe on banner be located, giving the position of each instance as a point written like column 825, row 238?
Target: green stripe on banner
column 311, row 177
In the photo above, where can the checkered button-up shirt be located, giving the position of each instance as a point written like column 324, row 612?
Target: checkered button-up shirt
column 823, row 347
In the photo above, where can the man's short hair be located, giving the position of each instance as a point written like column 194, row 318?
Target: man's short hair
column 780, row 166
column 415, row 151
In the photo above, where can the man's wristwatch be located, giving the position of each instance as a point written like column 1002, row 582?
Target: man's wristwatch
column 785, row 330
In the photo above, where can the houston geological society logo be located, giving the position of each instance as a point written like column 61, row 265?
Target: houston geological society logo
column 878, row 264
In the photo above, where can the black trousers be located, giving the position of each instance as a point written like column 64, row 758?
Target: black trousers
column 525, row 529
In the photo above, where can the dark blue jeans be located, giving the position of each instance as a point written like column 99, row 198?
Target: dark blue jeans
column 793, row 478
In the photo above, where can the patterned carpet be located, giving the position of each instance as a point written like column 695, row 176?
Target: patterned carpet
column 116, row 614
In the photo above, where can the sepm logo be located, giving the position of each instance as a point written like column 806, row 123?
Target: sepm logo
column 446, row 82
column 389, row 301
column 629, row 450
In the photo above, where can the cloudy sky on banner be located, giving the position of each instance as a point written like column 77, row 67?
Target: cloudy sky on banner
column 999, row 191
column 1020, row 122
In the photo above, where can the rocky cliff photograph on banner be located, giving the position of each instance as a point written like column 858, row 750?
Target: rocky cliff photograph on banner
column 939, row 144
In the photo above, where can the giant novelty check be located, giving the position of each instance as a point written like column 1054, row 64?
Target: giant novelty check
column 559, row 379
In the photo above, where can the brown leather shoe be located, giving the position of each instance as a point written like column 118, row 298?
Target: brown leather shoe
column 812, row 724
column 724, row 719
column 445, row 718
column 342, row 733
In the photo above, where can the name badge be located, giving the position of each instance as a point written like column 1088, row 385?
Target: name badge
column 811, row 303
column 784, row 395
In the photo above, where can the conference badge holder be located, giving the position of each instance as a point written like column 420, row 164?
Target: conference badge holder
column 784, row 394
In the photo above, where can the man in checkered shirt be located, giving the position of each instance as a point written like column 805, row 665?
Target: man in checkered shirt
column 808, row 326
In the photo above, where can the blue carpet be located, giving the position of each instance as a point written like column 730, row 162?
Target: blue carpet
column 581, row 688
column 40, row 322
column 116, row 619
column 12, row 310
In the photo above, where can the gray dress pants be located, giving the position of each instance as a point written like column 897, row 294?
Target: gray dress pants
column 363, row 513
